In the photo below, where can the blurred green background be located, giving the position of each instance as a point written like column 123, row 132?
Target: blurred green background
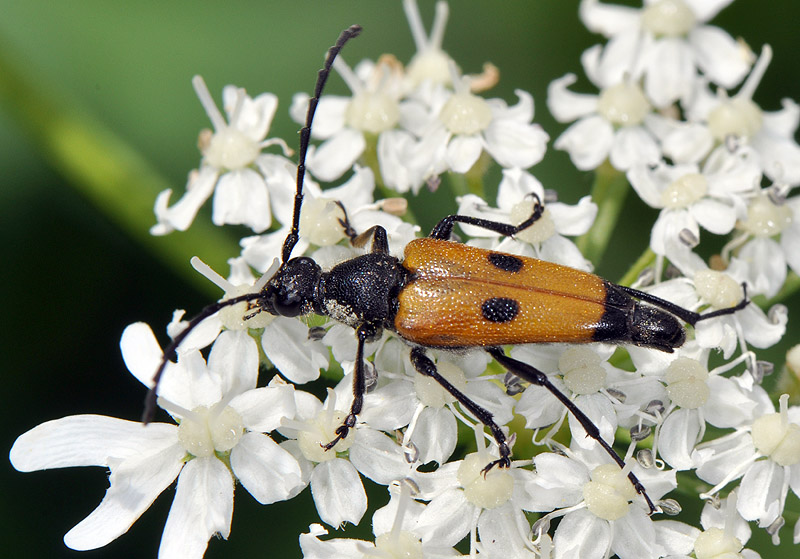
column 74, row 277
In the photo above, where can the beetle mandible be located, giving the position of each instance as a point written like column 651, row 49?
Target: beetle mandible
column 447, row 295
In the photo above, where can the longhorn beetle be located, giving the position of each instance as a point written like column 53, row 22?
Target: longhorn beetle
column 447, row 295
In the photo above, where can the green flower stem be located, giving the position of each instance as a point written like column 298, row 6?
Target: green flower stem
column 112, row 175
column 647, row 258
column 608, row 192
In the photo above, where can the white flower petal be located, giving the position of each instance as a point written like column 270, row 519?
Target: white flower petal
column 242, row 198
column 180, row 216
column 759, row 329
column 565, row 105
column 141, row 352
column 558, row 482
column 721, row 58
column 780, row 158
column 599, row 409
column 357, row 191
column 203, row 506
column 678, row 436
column 446, row 519
column 338, row 492
column 582, row 534
column 676, row 537
column 783, row 123
column 705, row 10
column 265, row 469
column 334, row 548
column 336, row 155
column 234, row 361
column 330, row 115
column 88, row 440
column 463, row 152
column 263, row 409
column 573, row 220
column 562, row 251
column 134, row 485
column 760, row 492
column 670, row 73
column 254, row 115
column 515, row 185
column 729, row 405
column 538, row 406
column 389, row 407
column 396, row 169
column 500, row 530
column 588, row 142
column 435, row 435
column 647, row 183
column 714, row 216
column 633, row 145
column 790, row 240
column 609, row 65
column 634, row 536
column 721, row 456
column 377, row 456
column 608, row 19
column 202, row 336
column 286, row 344
column 767, row 266
column 688, row 143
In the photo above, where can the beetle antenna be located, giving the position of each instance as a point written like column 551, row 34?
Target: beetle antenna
column 291, row 239
column 305, row 134
column 171, row 350
column 690, row 317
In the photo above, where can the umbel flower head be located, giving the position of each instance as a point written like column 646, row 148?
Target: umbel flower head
column 393, row 413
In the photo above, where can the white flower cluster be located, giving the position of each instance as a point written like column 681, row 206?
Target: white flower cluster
column 698, row 155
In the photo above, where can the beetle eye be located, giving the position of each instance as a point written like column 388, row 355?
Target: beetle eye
column 287, row 303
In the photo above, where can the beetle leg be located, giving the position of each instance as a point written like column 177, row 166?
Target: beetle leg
column 380, row 243
column 537, row 377
column 426, row 367
column 376, row 233
column 444, row 228
column 363, row 333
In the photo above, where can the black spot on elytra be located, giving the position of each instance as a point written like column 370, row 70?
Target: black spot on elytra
column 499, row 309
column 505, row 262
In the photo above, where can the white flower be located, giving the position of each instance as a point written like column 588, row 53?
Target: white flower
column 585, row 378
column 455, row 127
column 765, row 454
column 320, row 220
column 347, row 124
column 220, row 438
column 393, row 527
column 490, row 502
column 766, row 256
column 609, row 125
column 430, row 63
column 770, row 134
column 546, row 238
column 724, row 534
column 233, row 168
column 601, row 511
column 697, row 396
column 408, row 398
column 713, row 197
column 335, row 483
column 721, row 289
column 672, row 44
